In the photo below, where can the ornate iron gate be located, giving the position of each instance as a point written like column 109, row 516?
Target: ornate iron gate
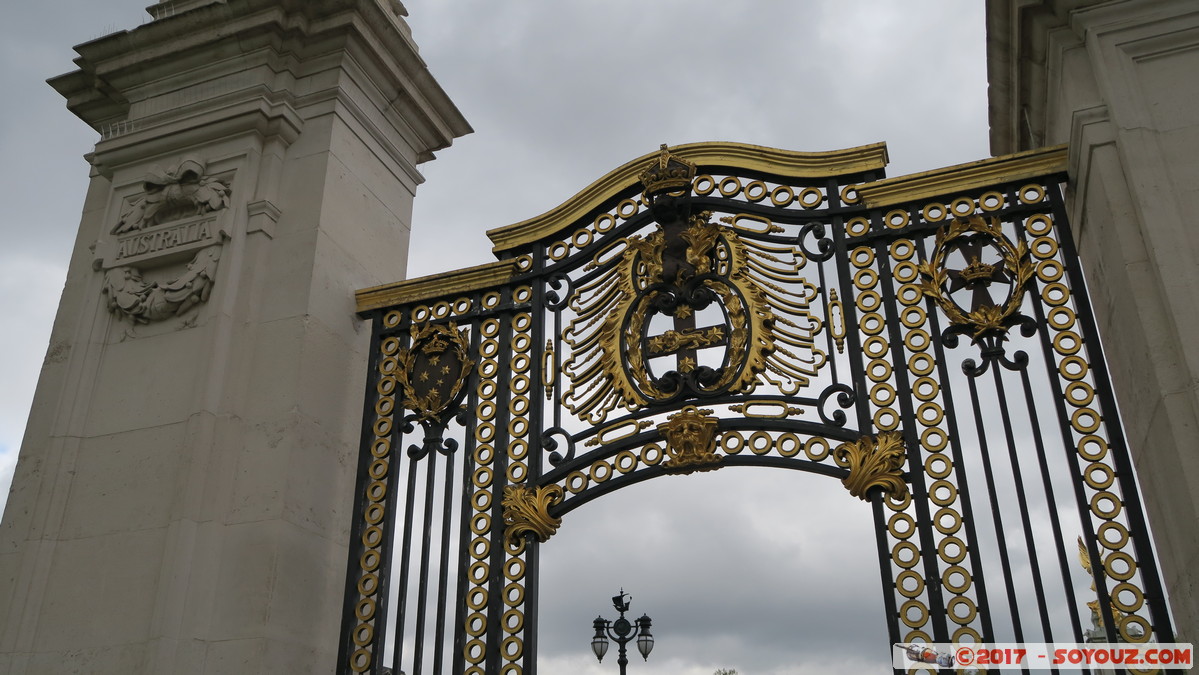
column 925, row 339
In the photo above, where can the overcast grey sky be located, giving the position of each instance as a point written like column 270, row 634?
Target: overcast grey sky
column 559, row 93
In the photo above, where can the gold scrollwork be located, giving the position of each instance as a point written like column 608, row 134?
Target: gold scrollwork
column 527, row 511
column 874, row 462
column 434, row 368
column 690, row 441
column 1013, row 268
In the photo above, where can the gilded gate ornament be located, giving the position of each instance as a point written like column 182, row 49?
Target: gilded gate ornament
column 679, row 341
column 970, row 237
column 689, row 264
column 874, row 462
column 527, row 511
column 690, row 441
column 433, row 370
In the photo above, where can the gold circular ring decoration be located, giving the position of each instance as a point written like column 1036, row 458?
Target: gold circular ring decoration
column 363, row 634
column 1050, row 270
column 1108, row 511
column 934, row 212
column 911, row 607
column 942, row 492
column 896, row 219
column 966, row 635
column 476, row 624
column 850, row 195
column 369, row 562
column 1079, row 394
column 1113, row 562
column 886, row 419
column 1067, row 343
column 514, row 594
column 962, row 206
column 782, row 196
column 1129, row 622
column 901, row 526
column 991, row 201
column 1119, row 541
column 905, row 271
column 943, row 550
column 905, row 547
column 954, row 522
column 1031, row 194
column 938, row 466
column 810, row 198
column 913, row 317
column 962, row 610
column 934, row 439
column 1123, row 589
column 856, row 227
column 365, row 609
column 730, row 186
column 1086, row 443
column 951, row 573
column 909, row 584
column 756, row 191
column 512, row 648
column 1038, row 225
column 514, row 621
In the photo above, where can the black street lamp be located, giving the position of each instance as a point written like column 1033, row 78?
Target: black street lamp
column 622, row 631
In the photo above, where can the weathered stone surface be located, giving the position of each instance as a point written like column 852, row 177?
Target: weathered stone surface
column 1116, row 81
column 182, row 498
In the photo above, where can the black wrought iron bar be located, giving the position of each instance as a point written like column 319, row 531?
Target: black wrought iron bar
column 1022, row 501
column 573, row 501
column 426, row 545
column 493, row 659
column 1043, row 462
column 387, row 549
column 884, row 570
column 443, row 567
column 466, row 506
column 405, row 565
column 961, row 471
column 534, row 461
column 356, row 547
column 1154, row 591
column 1054, row 519
column 988, row 473
column 924, row 524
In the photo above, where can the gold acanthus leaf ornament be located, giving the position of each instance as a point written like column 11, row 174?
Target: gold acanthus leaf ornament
column 874, row 462
column 690, row 441
column 527, row 511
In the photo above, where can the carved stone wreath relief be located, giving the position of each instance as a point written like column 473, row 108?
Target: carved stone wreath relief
column 178, row 215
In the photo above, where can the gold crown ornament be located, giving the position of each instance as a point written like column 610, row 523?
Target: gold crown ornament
column 668, row 174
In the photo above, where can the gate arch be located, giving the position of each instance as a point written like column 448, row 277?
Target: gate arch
column 723, row 304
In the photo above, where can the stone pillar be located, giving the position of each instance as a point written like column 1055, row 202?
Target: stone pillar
column 182, row 498
column 1116, row 79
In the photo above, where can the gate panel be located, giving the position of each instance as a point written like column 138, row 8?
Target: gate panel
column 925, row 340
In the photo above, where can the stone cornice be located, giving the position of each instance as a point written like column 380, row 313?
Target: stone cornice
column 437, row 285
column 207, row 50
column 965, row 177
column 709, row 156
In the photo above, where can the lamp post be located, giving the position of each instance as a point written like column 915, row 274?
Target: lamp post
column 622, row 631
